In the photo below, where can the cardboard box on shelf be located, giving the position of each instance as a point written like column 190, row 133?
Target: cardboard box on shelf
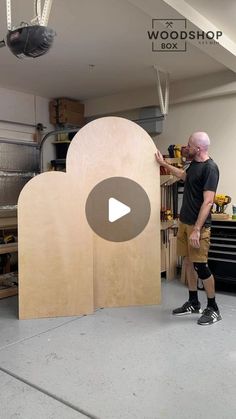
column 72, row 118
column 70, row 105
column 66, row 112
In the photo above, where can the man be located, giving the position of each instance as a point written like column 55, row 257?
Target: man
column 193, row 239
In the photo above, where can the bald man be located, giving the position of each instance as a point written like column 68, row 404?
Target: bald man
column 193, row 239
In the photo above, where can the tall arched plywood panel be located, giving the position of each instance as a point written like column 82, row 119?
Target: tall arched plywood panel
column 125, row 273
column 65, row 268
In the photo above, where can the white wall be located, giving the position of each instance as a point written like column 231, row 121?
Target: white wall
column 211, row 85
column 19, row 114
column 206, row 103
column 217, row 117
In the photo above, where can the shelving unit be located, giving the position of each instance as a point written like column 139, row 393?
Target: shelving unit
column 8, row 222
column 168, row 224
column 168, row 237
column 61, row 150
column 167, row 180
column 8, row 280
column 61, row 147
column 8, row 248
column 8, row 285
column 62, row 142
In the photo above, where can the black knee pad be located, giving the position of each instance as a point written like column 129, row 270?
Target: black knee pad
column 202, row 270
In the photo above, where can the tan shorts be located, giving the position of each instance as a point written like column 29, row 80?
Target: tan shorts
column 183, row 247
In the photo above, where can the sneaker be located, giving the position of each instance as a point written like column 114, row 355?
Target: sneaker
column 187, row 308
column 209, row 316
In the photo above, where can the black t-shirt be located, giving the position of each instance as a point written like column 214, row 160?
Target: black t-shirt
column 201, row 176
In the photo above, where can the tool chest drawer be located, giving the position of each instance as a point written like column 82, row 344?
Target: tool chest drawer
column 222, row 252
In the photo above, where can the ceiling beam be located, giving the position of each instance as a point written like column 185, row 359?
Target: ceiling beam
column 224, row 53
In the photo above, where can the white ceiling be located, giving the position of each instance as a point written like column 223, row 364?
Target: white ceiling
column 221, row 12
column 112, row 35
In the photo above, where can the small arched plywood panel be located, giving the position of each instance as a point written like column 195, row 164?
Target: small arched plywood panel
column 55, row 249
column 65, row 268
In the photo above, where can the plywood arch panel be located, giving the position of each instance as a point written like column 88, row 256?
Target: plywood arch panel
column 108, row 274
column 55, row 249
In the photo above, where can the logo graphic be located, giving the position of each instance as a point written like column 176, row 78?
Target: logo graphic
column 118, row 209
column 171, row 35
column 169, row 24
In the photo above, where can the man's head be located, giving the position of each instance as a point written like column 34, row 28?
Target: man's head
column 198, row 144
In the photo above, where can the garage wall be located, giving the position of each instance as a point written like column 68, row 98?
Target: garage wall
column 216, row 116
column 205, row 103
column 23, row 108
column 211, row 85
column 19, row 114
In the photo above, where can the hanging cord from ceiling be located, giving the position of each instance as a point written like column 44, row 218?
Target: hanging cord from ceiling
column 163, row 99
column 41, row 16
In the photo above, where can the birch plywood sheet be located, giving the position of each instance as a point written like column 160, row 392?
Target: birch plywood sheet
column 67, row 268
column 55, row 249
column 125, row 273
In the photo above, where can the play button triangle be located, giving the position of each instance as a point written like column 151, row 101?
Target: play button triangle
column 117, row 210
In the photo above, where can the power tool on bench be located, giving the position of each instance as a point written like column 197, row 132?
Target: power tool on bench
column 221, row 201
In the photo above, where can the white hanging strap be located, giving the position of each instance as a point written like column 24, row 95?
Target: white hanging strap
column 38, row 9
column 159, row 91
column 164, row 102
column 46, row 12
column 167, row 91
column 8, row 9
column 37, row 12
column 41, row 17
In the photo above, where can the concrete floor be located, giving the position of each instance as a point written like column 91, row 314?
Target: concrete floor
column 126, row 363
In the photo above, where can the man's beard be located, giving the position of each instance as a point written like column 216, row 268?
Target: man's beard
column 191, row 155
column 187, row 154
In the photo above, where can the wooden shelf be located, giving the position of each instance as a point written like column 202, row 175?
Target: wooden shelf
column 9, row 280
column 220, row 217
column 174, row 160
column 6, row 222
column 8, row 292
column 8, row 248
column 8, row 285
column 167, row 224
column 167, row 180
column 62, row 142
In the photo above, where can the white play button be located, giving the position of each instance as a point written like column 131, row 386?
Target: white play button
column 117, row 210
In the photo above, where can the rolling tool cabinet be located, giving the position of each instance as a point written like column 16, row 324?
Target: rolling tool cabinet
column 222, row 252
